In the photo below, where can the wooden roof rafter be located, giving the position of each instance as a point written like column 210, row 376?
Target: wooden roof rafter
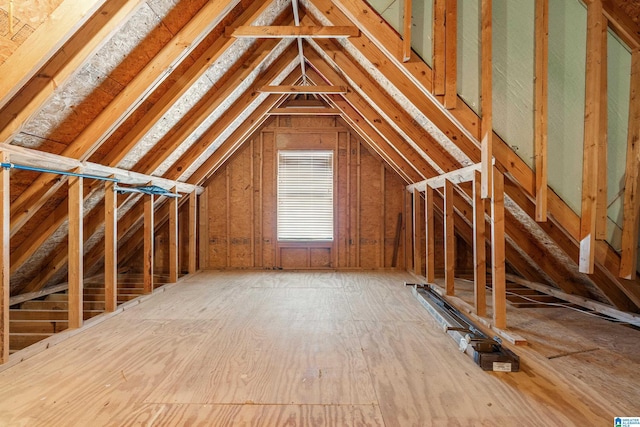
column 56, row 261
column 217, row 97
column 461, row 126
column 154, row 73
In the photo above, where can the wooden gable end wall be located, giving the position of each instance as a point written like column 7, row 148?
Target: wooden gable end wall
column 241, row 200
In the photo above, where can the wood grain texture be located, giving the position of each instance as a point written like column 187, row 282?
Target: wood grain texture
column 331, row 348
column 486, row 144
column 631, row 219
column 76, row 251
column 449, row 238
column 148, row 243
column 592, row 123
column 479, row 249
column 451, row 60
column 540, row 107
column 110, row 247
column 5, row 265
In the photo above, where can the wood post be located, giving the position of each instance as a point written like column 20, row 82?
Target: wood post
column 486, row 144
column 406, row 34
column 479, row 249
column 173, row 238
column 430, row 234
column 148, row 244
column 5, row 265
column 193, row 232
column 417, row 233
column 631, row 216
column 439, row 51
column 451, row 60
column 540, row 100
column 592, row 123
column 449, row 239
column 76, row 252
column 603, row 141
column 203, row 229
column 497, row 252
column 110, row 246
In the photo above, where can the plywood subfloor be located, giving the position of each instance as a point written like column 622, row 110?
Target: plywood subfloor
column 289, row 348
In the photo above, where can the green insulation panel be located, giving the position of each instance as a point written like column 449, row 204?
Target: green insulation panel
column 618, row 90
column 513, row 74
column 422, row 30
column 391, row 10
column 468, row 54
column 567, row 56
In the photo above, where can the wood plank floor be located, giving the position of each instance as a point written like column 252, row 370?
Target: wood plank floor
column 313, row 349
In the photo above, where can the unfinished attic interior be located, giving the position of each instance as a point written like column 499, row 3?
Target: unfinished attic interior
column 244, row 212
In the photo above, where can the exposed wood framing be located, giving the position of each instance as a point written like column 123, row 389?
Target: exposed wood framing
column 388, row 151
column 238, row 136
column 145, row 82
column 279, row 32
column 540, row 106
column 148, row 243
column 76, row 252
column 173, row 239
column 415, row 77
column 592, row 123
column 449, row 239
column 623, row 25
column 30, row 157
column 5, row 273
column 439, row 47
column 598, row 307
column 417, row 233
column 479, row 248
column 193, row 233
column 406, row 31
column 319, row 111
column 42, row 45
column 186, row 81
column 451, row 61
column 303, row 89
column 602, row 156
column 216, row 97
column 631, row 216
column 203, row 228
column 486, row 145
column 430, row 235
column 110, row 247
column 498, row 282
column 379, row 97
column 62, row 65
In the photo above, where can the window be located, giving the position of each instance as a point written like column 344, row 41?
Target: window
column 305, row 195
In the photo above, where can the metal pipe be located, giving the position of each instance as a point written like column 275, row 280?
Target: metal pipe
column 58, row 172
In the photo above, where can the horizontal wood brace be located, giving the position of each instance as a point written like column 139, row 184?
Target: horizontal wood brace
column 292, row 31
column 42, row 159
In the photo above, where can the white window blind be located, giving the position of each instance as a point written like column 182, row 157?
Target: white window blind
column 305, row 195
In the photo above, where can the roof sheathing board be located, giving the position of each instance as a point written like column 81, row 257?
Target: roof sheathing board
column 219, row 112
column 27, row 17
column 393, row 92
column 194, row 95
column 73, row 105
column 236, row 123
